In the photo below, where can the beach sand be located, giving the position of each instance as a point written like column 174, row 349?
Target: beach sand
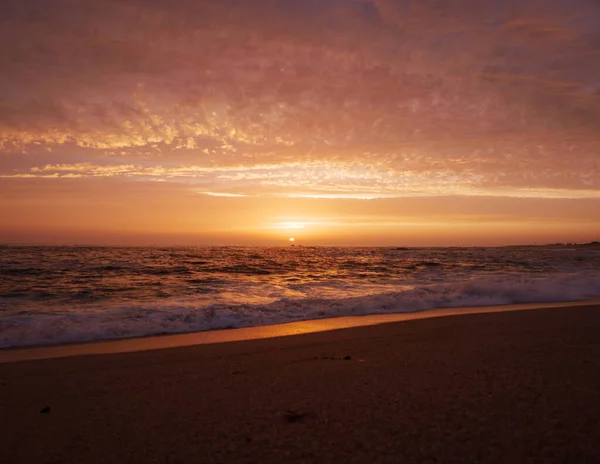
column 519, row 386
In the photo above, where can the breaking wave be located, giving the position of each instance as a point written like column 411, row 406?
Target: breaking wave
column 183, row 315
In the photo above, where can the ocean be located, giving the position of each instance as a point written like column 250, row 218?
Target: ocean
column 51, row 295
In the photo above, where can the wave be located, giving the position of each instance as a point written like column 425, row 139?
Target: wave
column 183, row 316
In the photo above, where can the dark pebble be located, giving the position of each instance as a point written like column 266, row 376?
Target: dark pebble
column 292, row 416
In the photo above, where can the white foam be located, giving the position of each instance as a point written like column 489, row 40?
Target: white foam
column 189, row 316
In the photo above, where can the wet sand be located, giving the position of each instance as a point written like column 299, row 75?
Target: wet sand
column 519, row 386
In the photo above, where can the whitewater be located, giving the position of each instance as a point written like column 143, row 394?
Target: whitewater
column 52, row 295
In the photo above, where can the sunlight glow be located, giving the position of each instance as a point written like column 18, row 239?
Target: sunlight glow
column 291, row 225
column 224, row 194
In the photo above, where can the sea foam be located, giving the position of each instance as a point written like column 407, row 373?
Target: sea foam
column 134, row 319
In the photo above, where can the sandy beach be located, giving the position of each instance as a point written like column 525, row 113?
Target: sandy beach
column 518, row 386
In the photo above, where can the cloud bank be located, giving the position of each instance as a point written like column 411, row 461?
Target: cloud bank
column 381, row 97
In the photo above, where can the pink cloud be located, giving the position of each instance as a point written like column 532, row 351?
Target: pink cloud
column 467, row 90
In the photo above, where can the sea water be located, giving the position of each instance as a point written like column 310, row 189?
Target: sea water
column 71, row 294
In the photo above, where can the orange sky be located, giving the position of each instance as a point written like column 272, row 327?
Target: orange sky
column 383, row 122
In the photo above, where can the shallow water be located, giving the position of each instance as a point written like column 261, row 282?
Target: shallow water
column 66, row 294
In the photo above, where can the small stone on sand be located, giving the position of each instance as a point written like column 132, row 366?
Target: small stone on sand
column 292, row 416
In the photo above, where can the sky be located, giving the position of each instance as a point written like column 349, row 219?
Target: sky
column 336, row 122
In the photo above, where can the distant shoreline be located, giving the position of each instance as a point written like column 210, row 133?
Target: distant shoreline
column 589, row 245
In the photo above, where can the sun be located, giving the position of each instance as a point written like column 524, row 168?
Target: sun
column 292, row 239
